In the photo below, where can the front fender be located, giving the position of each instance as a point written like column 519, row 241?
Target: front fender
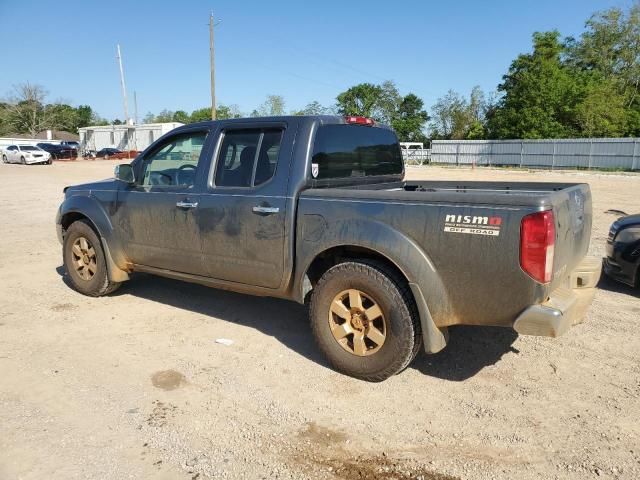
column 426, row 285
column 90, row 207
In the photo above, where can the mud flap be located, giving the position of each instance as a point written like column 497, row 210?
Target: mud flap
column 435, row 339
column 115, row 273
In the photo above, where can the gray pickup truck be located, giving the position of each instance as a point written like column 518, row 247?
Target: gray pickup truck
column 317, row 208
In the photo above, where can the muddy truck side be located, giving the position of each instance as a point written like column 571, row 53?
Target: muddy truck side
column 317, row 210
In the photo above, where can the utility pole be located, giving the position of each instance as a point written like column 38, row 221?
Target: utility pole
column 135, row 107
column 124, row 88
column 213, row 66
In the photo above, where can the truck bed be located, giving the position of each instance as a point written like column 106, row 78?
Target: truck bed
column 476, row 270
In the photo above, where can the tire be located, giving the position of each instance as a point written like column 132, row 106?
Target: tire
column 23, row 161
column 373, row 361
column 92, row 278
column 4, row 159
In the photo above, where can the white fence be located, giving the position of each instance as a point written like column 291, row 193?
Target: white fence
column 416, row 156
column 611, row 153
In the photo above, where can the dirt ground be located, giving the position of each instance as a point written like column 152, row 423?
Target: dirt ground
column 134, row 385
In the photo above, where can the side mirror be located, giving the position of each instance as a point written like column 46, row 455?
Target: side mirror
column 124, row 173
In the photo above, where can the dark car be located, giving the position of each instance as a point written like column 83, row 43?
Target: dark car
column 58, row 151
column 623, row 250
column 107, row 152
column 71, row 144
column 317, row 208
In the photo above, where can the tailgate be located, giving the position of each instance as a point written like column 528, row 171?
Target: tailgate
column 573, row 216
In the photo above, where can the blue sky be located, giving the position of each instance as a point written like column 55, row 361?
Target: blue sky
column 303, row 50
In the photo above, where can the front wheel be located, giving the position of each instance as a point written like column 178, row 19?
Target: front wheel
column 23, row 161
column 85, row 262
column 4, row 159
column 364, row 320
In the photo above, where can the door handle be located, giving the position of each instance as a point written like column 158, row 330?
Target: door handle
column 182, row 204
column 265, row 210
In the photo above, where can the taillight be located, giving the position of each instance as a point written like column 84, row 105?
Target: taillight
column 537, row 241
column 360, row 121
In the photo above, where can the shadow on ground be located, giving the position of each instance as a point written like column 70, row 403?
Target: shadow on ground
column 470, row 349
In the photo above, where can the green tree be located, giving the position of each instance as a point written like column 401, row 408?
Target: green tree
column 84, row 116
column 539, row 94
column 388, row 104
column 5, row 125
column 409, row 120
column 181, row 116
column 224, row 112
column 26, row 111
column 165, row 116
column 200, row 115
column 361, row 100
column 608, row 54
column 62, row 117
column 602, row 112
column 273, row 106
column 610, row 45
column 313, row 108
column 449, row 117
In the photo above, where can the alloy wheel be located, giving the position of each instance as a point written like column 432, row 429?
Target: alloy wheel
column 84, row 258
column 357, row 322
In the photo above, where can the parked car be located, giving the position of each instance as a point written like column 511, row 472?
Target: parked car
column 107, row 152
column 58, row 151
column 622, row 262
column 25, row 154
column 317, row 208
column 71, row 144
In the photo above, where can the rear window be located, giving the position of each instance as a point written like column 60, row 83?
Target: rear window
column 342, row 151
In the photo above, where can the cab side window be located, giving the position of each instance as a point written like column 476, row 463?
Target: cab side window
column 247, row 157
column 174, row 162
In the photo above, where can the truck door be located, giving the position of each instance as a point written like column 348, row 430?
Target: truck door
column 242, row 216
column 156, row 218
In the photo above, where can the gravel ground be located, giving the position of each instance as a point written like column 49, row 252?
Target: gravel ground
column 134, row 385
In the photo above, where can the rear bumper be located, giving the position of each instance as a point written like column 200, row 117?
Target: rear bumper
column 565, row 307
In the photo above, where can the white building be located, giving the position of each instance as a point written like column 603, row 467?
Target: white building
column 123, row 137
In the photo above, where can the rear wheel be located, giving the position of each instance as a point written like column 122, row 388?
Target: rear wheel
column 23, row 161
column 85, row 262
column 4, row 159
column 364, row 320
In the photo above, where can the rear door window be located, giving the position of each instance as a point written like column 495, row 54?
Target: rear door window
column 342, row 151
column 248, row 157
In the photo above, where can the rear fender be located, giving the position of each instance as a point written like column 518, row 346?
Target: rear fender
column 425, row 283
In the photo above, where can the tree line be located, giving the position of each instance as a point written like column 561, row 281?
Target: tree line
column 565, row 87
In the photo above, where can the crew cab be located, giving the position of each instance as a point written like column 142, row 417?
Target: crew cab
column 317, row 209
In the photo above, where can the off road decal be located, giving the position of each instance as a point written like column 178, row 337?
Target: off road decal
column 473, row 224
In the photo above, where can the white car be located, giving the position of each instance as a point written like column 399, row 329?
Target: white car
column 25, row 154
